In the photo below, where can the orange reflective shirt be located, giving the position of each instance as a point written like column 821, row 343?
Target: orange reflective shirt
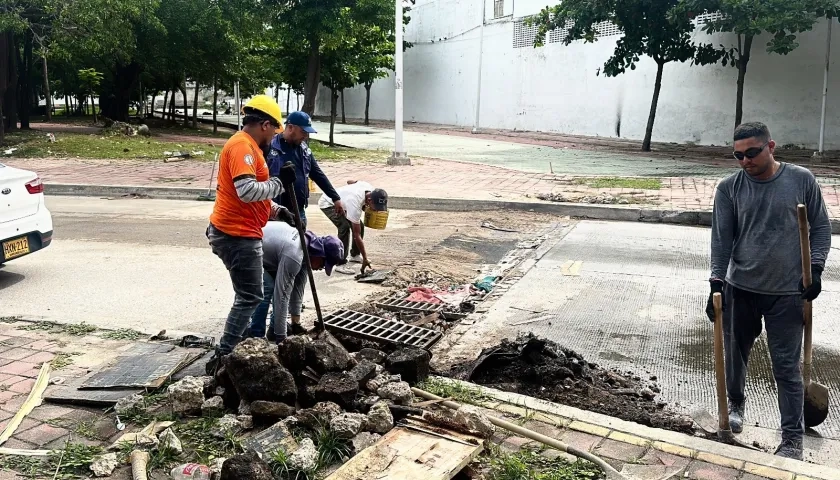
column 241, row 158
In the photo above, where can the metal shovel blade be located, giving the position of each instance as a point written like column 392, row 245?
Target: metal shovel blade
column 703, row 419
column 726, row 436
column 816, row 404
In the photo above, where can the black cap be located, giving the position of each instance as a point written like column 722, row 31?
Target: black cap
column 379, row 200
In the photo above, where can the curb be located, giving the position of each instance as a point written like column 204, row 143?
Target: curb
column 582, row 211
column 757, row 463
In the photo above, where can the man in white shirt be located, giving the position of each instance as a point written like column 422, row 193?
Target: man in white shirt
column 355, row 197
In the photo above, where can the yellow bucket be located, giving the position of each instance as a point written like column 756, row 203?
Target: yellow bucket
column 376, row 220
column 312, row 187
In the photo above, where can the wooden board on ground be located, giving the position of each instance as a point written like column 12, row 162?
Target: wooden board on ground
column 404, row 454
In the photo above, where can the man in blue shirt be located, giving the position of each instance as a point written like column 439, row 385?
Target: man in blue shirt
column 291, row 146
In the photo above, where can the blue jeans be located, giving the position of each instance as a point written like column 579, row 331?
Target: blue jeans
column 243, row 259
column 260, row 315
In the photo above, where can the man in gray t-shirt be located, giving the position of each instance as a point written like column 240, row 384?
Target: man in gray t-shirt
column 757, row 267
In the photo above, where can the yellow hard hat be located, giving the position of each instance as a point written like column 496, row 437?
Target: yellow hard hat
column 266, row 105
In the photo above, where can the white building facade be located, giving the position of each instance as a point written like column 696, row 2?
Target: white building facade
column 556, row 88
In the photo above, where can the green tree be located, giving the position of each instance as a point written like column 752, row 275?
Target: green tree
column 90, row 80
column 783, row 19
column 646, row 30
column 340, row 64
column 376, row 58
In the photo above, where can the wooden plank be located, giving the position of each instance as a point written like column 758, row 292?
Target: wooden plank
column 404, row 454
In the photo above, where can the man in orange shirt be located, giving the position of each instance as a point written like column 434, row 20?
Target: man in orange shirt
column 245, row 187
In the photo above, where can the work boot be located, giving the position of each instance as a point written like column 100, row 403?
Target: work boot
column 295, row 329
column 214, row 364
column 790, row 449
column 736, row 417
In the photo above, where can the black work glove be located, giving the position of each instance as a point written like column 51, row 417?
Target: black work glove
column 814, row 290
column 287, row 175
column 716, row 287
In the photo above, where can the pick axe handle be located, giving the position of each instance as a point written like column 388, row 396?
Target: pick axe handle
column 720, row 372
column 807, row 310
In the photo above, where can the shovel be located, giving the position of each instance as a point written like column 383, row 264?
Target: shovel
column 816, row 395
column 703, row 419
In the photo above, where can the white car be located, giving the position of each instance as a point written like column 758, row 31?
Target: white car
column 25, row 223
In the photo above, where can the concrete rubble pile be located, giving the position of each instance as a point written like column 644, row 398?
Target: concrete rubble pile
column 304, row 385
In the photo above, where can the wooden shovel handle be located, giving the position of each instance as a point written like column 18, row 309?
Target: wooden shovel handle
column 807, row 312
column 720, row 372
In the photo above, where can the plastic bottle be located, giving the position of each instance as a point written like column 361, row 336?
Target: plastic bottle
column 192, row 471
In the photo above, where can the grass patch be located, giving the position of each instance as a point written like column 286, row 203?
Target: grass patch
column 9, row 319
column 122, row 334
column 74, row 329
column 621, row 182
column 72, row 462
column 199, row 443
column 324, row 153
column 279, row 463
column 331, row 448
column 62, row 360
column 34, row 144
column 530, row 465
column 455, row 391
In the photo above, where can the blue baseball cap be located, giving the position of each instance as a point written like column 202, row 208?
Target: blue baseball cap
column 302, row 120
column 327, row 247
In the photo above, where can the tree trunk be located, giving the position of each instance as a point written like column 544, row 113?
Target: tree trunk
column 165, row 103
column 116, row 98
column 186, row 105
column 215, row 103
column 333, row 108
column 288, row 98
column 367, row 103
column 653, row 103
column 313, row 76
column 743, row 60
column 343, row 117
column 277, row 93
column 67, row 105
column 10, row 104
column 154, row 99
column 47, row 92
column 172, row 106
column 93, row 108
column 25, row 85
column 195, row 106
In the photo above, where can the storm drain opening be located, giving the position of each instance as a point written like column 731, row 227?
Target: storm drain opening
column 396, row 302
column 380, row 329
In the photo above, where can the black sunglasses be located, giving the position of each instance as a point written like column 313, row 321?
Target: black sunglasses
column 751, row 152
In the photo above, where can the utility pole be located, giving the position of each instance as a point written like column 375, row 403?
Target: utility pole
column 238, row 110
column 480, row 55
column 400, row 156
column 819, row 155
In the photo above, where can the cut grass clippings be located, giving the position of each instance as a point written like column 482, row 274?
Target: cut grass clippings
column 122, row 334
column 456, row 391
column 35, row 144
column 529, row 464
column 621, row 182
column 74, row 329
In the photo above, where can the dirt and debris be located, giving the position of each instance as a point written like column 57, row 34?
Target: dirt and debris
column 541, row 368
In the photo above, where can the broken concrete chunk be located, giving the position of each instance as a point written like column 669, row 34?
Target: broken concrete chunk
column 104, row 465
column 244, row 408
column 371, row 354
column 246, row 421
column 475, row 420
column 381, row 380
column 364, row 440
column 187, row 395
column 338, row 387
column 647, row 394
column 412, row 364
column 213, row 407
column 169, row 440
column 257, row 374
column 363, row 371
column 292, row 352
column 399, row 392
column 319, row 415
column 348, row 425
column 130, row 404
column 264, row 410
column 379, row 418
column 226, row 425
column 246, row 467
column 269, row 440
column 304, row 458
column 324, row 356
column 216, row 467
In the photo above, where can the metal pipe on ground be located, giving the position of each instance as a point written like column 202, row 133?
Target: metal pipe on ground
column 611, row 472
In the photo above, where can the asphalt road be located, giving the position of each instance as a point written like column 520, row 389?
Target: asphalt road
column 138, row 263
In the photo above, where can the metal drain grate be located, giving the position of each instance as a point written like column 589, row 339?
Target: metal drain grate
column 380, row 329
column 396, row 302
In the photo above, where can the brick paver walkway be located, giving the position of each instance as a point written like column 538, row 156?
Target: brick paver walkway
column 426, row 178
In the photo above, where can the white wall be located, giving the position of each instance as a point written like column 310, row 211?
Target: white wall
column 556, row 89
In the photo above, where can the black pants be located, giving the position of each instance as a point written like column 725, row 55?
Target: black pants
column 783, row 319
column 345, row 231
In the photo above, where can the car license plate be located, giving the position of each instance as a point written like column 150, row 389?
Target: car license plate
column 15, row 248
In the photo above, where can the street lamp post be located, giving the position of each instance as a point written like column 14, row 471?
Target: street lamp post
column 399, row 156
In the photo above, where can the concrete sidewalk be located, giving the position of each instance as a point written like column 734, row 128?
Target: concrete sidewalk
column 452, row 181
